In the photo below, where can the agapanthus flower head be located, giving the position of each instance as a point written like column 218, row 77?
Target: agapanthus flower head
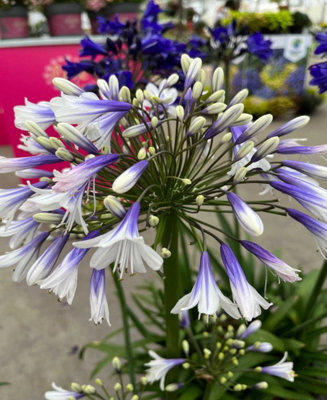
column 168, row 162
column 259, row 46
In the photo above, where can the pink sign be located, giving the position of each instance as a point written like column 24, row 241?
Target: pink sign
column 27, row 72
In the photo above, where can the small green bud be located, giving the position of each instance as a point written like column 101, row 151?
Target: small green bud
column 172, row 387
column 117, row 387
column 71, row 398
column 66, row 86
column 218, row 345
column 235, row 361
column 261, row 385
column 135, row 397
column 205, row 334
column 197, row 90
column 244, row 150
column 64, row 154
column 99, row 382
column 223, row 380
column 241, row 352
column 47, row 218
column 240, row 175
column 135, row 102
column 154, row 122
column 116, row 363
column 186, row 365
column 153, row 220
column 221, row 356
column 35, row 129
column 88, row 389
column 180, row 112
column 185, row 62
column 125, row 94
column 238, row 387
column 230, row 374
column 267, row 147
column 258, row 369
column 165, row 253
column 186, row 347
column 206, row 353
column 217, row 79
column 215, row 108
column 172, row 79
column 143, row 380
column 196, row 125
column 152, row 150
column 223, row 317
column 186, row 181
column 76, row 387
column 243, row 119
column 199, row 200
column 240, row 97
column 202, row 76
column 218, row 96
column 129, row 387
column 233, row 351
column 56, row 143
column 141, row 155
column 139, row 95
column 226, row 138
column 147, row 95
column 241, row 330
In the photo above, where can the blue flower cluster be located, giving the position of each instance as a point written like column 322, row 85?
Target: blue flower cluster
column 134, row 50
column 319, row 71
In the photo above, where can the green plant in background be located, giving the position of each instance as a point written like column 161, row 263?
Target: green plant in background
column 275, row 77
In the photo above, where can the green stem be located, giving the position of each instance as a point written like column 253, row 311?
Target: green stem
column 227, row 79
column 127, row 336
column 207, row 391
column 316, row 290
column 171, row 296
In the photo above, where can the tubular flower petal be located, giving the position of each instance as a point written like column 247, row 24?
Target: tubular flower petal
column 282, row 369
column 129, row 178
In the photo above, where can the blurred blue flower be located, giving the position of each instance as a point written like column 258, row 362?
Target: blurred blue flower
column 319, row 76
column 321, row 38
column 258, row 46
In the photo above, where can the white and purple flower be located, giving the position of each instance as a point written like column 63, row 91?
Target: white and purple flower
column 19, row 163
column 206, row 294
column 20, row 231
column 159, row 367
column 98, row 300
column 61, row 394
column 125, row 181
column 282, row 369
column 124, row 246
column 246, row 297
column 40, row 113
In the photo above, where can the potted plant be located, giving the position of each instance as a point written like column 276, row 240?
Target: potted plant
column 64, row 17
column 125, row 10
column 13, row 19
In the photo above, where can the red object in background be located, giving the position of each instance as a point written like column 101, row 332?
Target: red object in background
column 13, row 27
column 65, row 24
column 27, row 72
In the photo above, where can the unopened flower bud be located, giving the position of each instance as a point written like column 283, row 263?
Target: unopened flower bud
column 235, row 361
column 197, row 90
column 192, row 71
column 89, row 389
column 141, row 155
column 165, row 253
column 172, row 387
column 186, row 347
column 241, row 330
column 186, row 181
column 152, row 150
column 135, row 397
column 114, row 206
column 223, row 380
column 47, row 218
column 241, row 352
column 199, row 200
column 244, row 150
column 153, row 220
column 221, row 356
column 185, row 63
column 135, row 102
column 117, row 387
column 139, row 95
column 129, row 387
column 227, row 137
column 218, row 96
column 135, row 130
column 64, row 154
column 202, row 76
column 217, row 79
column 239, row 97
column 143, row 380
column 238, row 387
column 99, row 382
column 206, row 353
column 180, row 112
column 215, row 108
column 196, row 125
column 256, row 127
column 147, row 95
column 240, row 175
column 56, row 143
column 125, row 94
column 154, row 122
column 261, row 385
column 116, row 363
column 76, row 387
column 243, row 119
column 186, row 365
column 35, row 129
column 172, row 79
column 267, row 147
column 45, row 143
column 67, row 86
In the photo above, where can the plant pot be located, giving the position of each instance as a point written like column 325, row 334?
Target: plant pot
column 13, row 23
column 64, row 19
column 93, row 17
column 125, row 11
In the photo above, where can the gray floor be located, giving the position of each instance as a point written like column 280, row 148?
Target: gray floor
column 37, row 333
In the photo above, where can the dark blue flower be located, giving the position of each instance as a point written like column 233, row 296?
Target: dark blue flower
column 319, row 76
column 112, row 27
column 90, row 48
column 151, row 12
column 73, row 68
column 220, row 34
column 259, row 47
column 321, row 38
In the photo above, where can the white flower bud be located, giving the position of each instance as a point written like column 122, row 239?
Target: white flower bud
column 199, row 200
column 215, row 108
column 257, row 126
column 267, row 147
column 196, row 125
column 129, row 387
column 227, row 137
column 117, row 387
column 243, row 119
column 135, row 397
column 47, row 218
column 180, row 112
column 147, row 95
column 185, row 63
column 141, row 155
column 261, row 385
column 88, row 389
column 139, row 95
column 114, row 206
column 186, row 181
column 35, row 129
column 153, row 220
column 218, row 96
column 99, row 382
column 56, row 143
column 172, row 79
column 197, row 90
column 144, row 380
column 240, row 174
column 244, row 150
column 172, row 387
column 165, row 253
column 67, row 86
column 202, row 76
column 125, row 94
column 64, row 154
column 154, row 122
column 44, row 142
column 135, row 102
column 239, row 97
column 217, row 79
column 116, row 363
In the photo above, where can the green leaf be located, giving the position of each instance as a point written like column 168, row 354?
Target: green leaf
column 283, row 393
column 275, row 318
column 262, row 335
column 4, row 383
column 192, row 393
